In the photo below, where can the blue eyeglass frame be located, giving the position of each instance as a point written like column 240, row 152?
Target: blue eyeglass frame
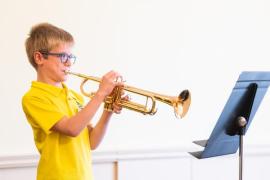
column 64, row 57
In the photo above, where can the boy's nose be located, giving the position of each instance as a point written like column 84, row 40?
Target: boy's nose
column 68, row 63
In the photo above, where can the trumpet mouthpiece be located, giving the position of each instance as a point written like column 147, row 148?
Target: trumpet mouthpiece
column 67, row 71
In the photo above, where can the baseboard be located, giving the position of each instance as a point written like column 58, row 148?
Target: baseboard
column 31, row 160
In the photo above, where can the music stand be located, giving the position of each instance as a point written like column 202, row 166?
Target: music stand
column 236, row 117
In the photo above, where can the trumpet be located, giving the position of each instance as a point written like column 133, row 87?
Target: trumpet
column 179, row 103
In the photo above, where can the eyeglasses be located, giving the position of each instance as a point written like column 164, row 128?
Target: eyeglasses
column 64, row 57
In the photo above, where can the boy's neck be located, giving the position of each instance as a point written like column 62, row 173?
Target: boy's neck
column 45, row 79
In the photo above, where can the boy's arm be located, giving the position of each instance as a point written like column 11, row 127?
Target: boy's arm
column 74, row 125
column 97, row 133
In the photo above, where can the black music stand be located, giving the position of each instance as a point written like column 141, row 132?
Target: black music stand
column 232, row 125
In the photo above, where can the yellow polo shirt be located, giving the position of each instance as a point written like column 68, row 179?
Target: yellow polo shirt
column 61, row 157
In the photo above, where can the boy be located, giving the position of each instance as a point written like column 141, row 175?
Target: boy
column 62, row 131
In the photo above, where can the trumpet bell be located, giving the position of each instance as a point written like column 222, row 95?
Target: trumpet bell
column 182, row 107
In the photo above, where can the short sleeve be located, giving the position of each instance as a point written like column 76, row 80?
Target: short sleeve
column 41, row 113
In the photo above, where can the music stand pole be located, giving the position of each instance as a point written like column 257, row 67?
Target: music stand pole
column 241, row 123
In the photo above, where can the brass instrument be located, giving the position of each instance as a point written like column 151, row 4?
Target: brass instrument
column 180, row 103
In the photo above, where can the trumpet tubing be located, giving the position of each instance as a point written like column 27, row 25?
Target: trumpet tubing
column 180, row 103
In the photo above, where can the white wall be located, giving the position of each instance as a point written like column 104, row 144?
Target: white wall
column 173, row 164
column 163, row 46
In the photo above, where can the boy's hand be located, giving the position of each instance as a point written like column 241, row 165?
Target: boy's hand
column 118, row 108
column 108, row 82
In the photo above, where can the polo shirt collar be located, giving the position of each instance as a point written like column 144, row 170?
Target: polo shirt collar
column 55, row 91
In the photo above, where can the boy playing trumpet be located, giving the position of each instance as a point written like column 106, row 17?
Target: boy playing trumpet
column 62, row 131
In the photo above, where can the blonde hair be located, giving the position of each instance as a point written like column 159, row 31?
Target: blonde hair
column 45, row 37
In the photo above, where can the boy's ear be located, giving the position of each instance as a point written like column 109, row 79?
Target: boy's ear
column 38, row 58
